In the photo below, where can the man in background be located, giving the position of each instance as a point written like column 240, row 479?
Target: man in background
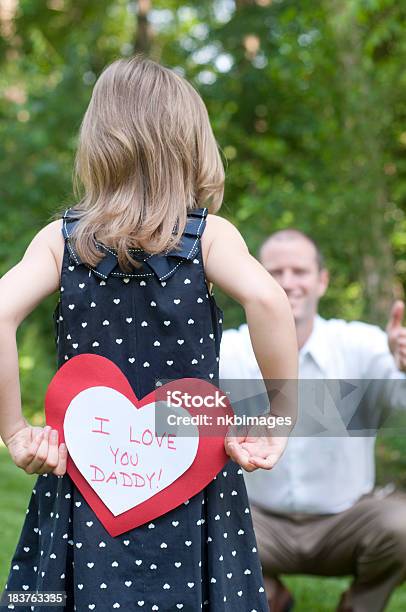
column 317, row 512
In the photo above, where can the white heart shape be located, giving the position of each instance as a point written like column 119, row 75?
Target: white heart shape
column 90, row 450
column 129, row 319
column 128, row 583
column 116, row 300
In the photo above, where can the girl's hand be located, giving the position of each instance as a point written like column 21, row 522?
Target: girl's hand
column 256, row 449
column 36, row 451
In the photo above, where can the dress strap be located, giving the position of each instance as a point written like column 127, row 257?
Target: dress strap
column 163, row 265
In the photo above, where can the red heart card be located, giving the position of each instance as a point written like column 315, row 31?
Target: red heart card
column 129, row 470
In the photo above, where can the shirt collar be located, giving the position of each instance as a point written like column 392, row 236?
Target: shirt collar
column 316, row 346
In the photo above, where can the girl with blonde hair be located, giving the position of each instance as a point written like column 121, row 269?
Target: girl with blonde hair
column 133, row 262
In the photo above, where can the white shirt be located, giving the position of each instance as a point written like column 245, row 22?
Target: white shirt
column 323, row 474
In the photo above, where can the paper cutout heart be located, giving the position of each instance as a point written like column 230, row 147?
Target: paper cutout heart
column 142, row 464
column 84, row 388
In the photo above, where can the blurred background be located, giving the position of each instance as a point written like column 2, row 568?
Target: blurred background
column 307, row 101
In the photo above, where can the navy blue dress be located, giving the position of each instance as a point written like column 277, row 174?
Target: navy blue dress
column 202, row 554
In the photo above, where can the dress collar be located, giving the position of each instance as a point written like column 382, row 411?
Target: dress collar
column 163, row 265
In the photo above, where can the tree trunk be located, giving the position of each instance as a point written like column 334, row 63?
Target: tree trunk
column 143, row 37
column 363, row 135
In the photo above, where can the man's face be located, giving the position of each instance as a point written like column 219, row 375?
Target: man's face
column 293, row 264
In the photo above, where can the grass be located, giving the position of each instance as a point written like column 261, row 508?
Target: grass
column 311, row 594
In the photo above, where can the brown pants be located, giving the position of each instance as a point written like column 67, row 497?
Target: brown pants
column 367, row 541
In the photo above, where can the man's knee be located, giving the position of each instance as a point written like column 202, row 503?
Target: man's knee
column 389, row 538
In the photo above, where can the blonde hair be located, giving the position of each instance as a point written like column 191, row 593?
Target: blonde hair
column 146, row 156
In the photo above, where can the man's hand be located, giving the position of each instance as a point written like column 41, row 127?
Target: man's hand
column 397, row 335
column 36, row 451
column 257, row 449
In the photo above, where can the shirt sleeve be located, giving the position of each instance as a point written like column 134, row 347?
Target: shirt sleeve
column 387, row 384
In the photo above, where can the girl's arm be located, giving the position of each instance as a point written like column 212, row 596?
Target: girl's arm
column 21, row 289
column 229, row 265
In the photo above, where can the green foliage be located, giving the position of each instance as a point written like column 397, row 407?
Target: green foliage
column 307, row 102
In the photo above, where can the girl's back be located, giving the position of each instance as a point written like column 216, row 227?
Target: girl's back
column 157, row 322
